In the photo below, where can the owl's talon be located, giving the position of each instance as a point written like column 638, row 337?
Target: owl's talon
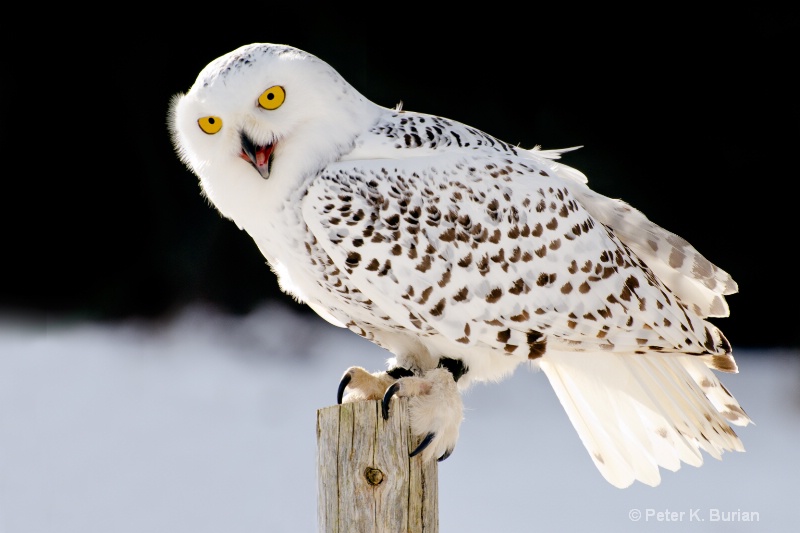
column 387, row 398
column 424, row 444
column 342, row 386
column 445, row 455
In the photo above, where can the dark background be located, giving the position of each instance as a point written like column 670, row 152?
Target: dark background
column 692, row 118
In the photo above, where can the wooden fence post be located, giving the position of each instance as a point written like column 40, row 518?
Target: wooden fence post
column 366, row 482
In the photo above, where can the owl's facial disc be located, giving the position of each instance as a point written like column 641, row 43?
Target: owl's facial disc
column 258, row 156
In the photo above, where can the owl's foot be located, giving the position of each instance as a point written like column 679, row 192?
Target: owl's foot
column 435, row 410
column 363, row 385
column 435, row 407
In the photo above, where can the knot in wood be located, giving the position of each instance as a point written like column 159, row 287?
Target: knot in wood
column 373, row 475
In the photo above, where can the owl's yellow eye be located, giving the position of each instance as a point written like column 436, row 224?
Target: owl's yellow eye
column 210, row 125
column 272, row 98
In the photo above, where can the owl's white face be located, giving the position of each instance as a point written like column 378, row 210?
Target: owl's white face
column 261, row 117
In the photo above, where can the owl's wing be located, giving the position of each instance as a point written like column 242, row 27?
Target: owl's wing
column 700, row 284
column 516, row 255
column 499, row 252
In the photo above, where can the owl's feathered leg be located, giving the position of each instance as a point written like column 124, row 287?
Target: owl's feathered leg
column 435, row 406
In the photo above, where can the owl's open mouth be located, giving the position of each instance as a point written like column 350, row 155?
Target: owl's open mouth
column 260, row 156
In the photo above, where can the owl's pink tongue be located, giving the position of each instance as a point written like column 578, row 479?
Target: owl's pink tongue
column 262, row 155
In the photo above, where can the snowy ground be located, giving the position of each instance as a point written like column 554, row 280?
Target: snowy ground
column 206, row 423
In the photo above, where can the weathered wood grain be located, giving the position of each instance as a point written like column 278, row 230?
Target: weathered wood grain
column 366, row 482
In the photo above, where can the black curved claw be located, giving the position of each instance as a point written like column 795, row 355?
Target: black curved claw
column 424, row 444
column 343, row 385
column 445, row 455
column 387, row 397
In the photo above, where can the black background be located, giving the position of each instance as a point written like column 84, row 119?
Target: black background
column 691, row 117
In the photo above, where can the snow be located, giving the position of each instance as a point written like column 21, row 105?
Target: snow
column 206, row 423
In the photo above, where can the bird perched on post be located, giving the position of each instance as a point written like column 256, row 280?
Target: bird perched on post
column 465, row 256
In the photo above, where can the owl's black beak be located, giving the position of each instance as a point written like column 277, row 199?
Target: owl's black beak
column 258, row 156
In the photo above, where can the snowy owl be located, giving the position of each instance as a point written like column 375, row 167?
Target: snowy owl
column 464, row 256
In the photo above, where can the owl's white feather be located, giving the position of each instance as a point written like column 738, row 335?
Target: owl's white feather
column 441, row 243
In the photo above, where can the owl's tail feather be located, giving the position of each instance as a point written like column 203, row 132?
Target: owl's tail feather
column 636, row 413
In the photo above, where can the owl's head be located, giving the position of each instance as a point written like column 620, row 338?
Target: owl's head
column 261, row 114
